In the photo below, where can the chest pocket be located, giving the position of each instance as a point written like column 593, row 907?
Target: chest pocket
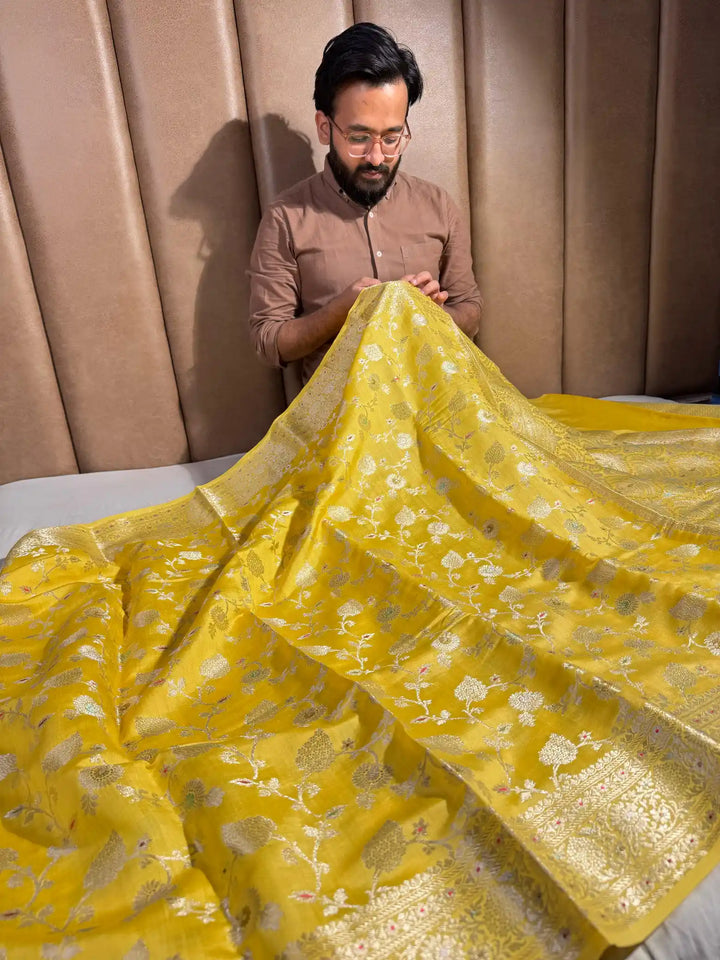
column 422, row 256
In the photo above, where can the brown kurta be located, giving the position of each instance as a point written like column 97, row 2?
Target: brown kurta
column 314, row 241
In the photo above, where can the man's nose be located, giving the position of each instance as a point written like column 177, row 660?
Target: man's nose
column 376, row 156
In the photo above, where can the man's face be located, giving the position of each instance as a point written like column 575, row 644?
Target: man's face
column 364, row 109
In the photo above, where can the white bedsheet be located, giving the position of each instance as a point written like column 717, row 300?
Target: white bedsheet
column 81, row 498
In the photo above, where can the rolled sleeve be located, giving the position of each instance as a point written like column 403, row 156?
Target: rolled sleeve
column 274, row 285
column 456, row 267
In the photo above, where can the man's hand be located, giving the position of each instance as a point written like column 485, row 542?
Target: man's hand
column 344, row 301
column 300, row 336
column 425, row 284
column 465, row 315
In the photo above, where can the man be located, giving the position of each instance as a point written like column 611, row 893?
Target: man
column 360, row 222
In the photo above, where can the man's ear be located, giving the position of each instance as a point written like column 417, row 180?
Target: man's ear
column 323, row 127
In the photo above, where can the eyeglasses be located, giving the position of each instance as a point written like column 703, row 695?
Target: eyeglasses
column 360, row 144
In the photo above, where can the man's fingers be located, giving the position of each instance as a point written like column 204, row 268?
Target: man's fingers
column 430, row 289
column 425, row 284
column 417, row 279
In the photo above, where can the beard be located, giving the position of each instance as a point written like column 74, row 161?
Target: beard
column 365, row 192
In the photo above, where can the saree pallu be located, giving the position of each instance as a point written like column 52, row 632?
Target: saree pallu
column 431, row 673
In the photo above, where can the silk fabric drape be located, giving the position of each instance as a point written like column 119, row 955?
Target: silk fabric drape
column 429, row 673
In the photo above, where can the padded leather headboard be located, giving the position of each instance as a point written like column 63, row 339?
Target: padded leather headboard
column 140, row 141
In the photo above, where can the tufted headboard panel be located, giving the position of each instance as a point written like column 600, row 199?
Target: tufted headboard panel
column 139, row 143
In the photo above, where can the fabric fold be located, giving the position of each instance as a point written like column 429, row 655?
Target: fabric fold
column 428, row 673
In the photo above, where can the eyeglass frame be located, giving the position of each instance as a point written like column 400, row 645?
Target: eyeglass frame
column 405, row 139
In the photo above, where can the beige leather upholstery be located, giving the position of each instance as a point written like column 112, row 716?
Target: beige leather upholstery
column 514, row 75
column 30, row 404
column 69, row 155
column 282, row 45
column 684, row 319
column 611, row 75
column 185, row 102
column 139, row 143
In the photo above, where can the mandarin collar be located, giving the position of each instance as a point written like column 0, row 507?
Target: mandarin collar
column 329, row 178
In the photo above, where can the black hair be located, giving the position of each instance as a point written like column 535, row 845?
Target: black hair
column 368, row 53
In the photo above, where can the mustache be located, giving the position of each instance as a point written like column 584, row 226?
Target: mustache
column 369, row 168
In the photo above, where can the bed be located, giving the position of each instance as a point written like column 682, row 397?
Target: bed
column 81, row 498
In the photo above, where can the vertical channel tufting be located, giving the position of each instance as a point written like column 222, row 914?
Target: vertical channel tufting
column 281, row 46
column 684, row 323
column 34, row 435
column 610, row 120
column 433, row 31
column 514, row 83
column 70, row 163
column 142, row 139
column 183, row 87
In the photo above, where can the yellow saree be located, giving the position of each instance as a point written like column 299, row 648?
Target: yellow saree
column 430, row 673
